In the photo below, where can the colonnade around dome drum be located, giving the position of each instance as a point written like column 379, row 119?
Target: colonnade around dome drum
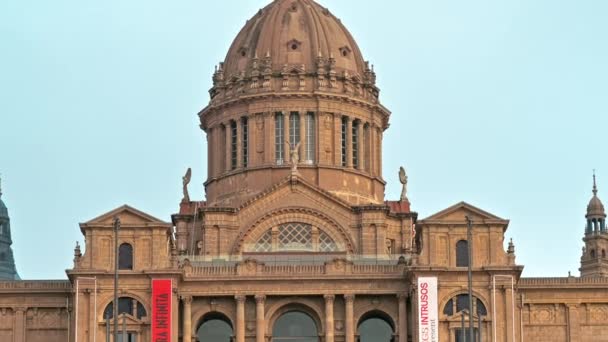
column 248, row 152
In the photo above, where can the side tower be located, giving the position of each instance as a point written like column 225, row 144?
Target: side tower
column 594, row 262
column 7, row 261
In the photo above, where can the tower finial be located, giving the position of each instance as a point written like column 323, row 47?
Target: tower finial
column 594, row 184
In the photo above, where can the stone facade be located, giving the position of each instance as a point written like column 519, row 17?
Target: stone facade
column 295, row 221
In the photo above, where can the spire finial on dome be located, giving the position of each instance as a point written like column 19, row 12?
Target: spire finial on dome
column 594, row 184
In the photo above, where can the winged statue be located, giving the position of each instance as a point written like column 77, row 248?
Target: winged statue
column 403, row 180
column 185, row 181
column 294, row 156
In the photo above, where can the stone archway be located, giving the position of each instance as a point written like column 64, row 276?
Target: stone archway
column 375, row 326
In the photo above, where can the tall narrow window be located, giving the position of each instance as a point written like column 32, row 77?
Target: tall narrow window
column 294, row 128
column 233, row 145
column 245, row 142
column 125, row 257
column 309, row 153
column 222, row 152
column 343, row 140
column 279, row 138
column 355, row 136
column 366, row 148
column 462, row 253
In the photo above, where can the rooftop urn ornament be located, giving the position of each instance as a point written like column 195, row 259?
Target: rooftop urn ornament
column 403, row 180
column 294, row 156
column 185, row 181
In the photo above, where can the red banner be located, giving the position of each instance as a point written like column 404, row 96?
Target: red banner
column 161, row 310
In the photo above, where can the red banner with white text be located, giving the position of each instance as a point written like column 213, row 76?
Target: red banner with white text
column 161, row 310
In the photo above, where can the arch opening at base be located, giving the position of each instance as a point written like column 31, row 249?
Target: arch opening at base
column 215, row 327
column 375, row 326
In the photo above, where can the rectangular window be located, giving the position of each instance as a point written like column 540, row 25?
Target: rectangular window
column 309, row 153
column 355, row 132
column 245, row 142
column 233, row 145
column 279, row 138
column 343, row 140
column 294, row 128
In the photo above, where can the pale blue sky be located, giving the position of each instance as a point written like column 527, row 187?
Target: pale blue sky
column 501, row 103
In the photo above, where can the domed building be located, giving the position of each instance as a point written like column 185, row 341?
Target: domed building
column 295, row 240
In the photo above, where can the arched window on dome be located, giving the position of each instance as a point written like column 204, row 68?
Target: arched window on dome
column 294, row 128
column 233, row 145
column 462, row 253
column 309, row 150
column 592, row 254
column 245, row 140
column 295, row 237
column 603, row 253
column 343, row 140
column 279, row 138
column 125, row 257
column 355, row 143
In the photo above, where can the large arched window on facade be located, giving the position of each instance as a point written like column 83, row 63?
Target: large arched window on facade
column 129, row 310
column 295, row 326
column 125, row 257
column 375, row 327
column 462, row 253
column 295, row 237
column 456, row 305
column 309, row 148
column 215, row 327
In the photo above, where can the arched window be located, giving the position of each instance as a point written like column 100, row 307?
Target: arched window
column 343, row 140
column 461, row 302
column 366, row 147
column 309, row 151
column 375, row 327
column 279, row 138
column 462, row 253
column 295, row 326
column 215, row 327
column 295, row 237
column 126, row 305
column 603, row 253
column 355, row 143
column 294, row 128
column 125, row 257
column 233, row 147
column 1, row 228
column 2, row 256
column 592, row 253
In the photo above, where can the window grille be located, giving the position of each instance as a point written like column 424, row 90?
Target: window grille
column 326, row 243
column 295, row 237
column 264, row 244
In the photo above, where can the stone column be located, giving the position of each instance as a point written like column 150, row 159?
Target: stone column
column 349, row 301
column 373, row 150
column 349, row 142
column 260, row 329
column 287, row 137
column 402, row 317
column 19, row 331
column 269, row 138
column 573, row 323
column 509, row 313
column 329, row 318
column 240, row 318
column 380, row 152
column 187, row 319
column 210, row 162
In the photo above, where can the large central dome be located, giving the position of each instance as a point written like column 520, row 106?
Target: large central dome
column 294, row 78
column 294, row 32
